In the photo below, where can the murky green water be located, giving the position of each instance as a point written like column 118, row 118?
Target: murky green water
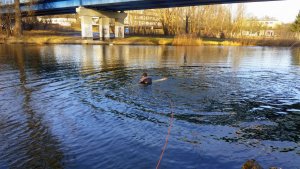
column 73, row 106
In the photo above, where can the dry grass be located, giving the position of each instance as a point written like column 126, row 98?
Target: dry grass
column 143, row 41
column 268, row 42
column 54, row 37
column 187, row 40
column 221, row 43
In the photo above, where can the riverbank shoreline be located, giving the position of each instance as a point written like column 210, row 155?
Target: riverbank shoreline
column 52, row 37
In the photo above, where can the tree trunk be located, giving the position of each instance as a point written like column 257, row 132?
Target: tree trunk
column 1, row 19
column 7, row 24
column 187, row 24
column 18, row 19
column 1, row 23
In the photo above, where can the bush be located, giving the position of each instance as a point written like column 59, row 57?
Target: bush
column 187, row 39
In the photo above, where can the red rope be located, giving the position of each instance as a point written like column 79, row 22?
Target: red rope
column 167, row 137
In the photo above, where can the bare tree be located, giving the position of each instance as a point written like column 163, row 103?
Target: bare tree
column 166, row 19
column 239, row 20
column 6, row 17
column 206, row 21
column 295, row 27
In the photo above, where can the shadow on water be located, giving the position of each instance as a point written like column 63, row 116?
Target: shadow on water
column 295, row 52
column 31, row 145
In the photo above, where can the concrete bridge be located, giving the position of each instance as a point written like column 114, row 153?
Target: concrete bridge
column 46, row 7
column 99, row 12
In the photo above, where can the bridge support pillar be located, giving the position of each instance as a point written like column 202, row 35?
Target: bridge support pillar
column 119, row 28
column 104, row 32
column 86, row 27
column 105, row 16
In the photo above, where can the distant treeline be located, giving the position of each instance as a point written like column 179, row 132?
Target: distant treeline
column 209, row 21
column 216, row 21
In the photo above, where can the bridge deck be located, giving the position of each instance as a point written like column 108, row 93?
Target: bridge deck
column 47, row 7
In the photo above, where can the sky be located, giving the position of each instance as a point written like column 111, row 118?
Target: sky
column 285, row 10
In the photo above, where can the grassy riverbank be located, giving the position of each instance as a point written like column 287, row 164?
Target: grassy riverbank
column 53, row 37
column 208, row 41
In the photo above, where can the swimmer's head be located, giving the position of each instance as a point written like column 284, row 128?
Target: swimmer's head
column 145, row 74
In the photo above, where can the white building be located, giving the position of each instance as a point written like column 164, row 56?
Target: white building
column 261, row 28
column 58, row 21
column 271, row 24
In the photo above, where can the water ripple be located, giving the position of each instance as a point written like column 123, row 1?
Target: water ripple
column 73, row 106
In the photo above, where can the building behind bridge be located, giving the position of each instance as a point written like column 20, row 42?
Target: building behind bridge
column 266, row 27
column 143, row 22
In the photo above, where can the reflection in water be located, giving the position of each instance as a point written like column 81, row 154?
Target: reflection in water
column 34, row 147
column 295, row 56
column 73, row 106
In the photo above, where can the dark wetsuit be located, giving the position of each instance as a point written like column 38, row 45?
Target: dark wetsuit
column 146, row 80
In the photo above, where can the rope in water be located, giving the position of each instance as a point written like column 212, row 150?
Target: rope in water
column 167, row 136
column 170, row 125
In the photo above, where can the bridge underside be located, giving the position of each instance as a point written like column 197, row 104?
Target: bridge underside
column 52, row 7
column 153, row 4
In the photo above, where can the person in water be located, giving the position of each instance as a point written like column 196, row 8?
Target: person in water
column 145, row 79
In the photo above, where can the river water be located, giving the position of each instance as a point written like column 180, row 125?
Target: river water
column 80, row 106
